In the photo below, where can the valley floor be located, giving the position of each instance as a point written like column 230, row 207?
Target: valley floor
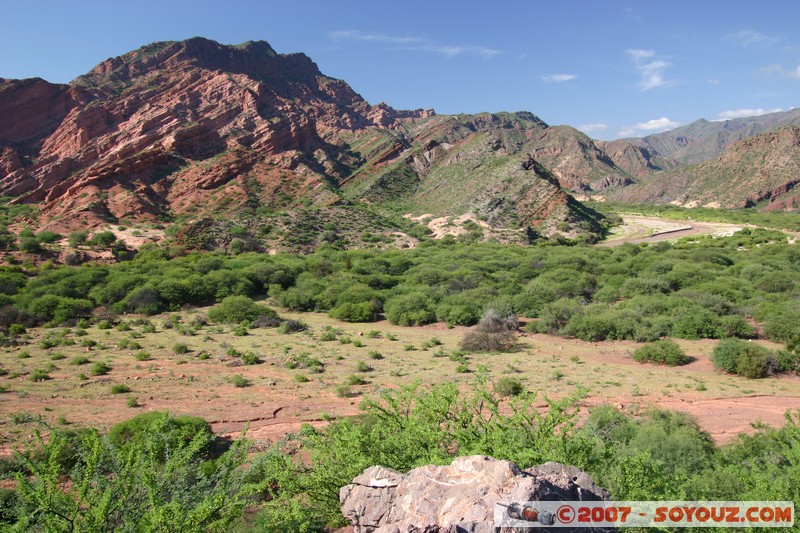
column 276, row 400
column 641, row 229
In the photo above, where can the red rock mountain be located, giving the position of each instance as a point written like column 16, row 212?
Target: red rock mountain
column 176, row 126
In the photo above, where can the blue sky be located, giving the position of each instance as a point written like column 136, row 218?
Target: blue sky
column 609, row 68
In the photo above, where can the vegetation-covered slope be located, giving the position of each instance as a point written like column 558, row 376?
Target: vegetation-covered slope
column 762, row 171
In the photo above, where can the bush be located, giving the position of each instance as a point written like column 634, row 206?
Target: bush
column 355, row 312
column 99, row 369
column 249, row 358
column 173, row 431
column 238, row 309
column 30, row 245
column 508, row 387
column 292, row 326
column 353, row 379
column 664, row 352
column 415, row 309
column 745, row 359
column 48, row 237
column 239, row 381
column 78, row 238
column 119, row 388
column 490, row 335
column 39, row 375
column 104, row 239
column 180, row 348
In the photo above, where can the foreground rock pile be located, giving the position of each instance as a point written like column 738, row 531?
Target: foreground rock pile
column 459, row 497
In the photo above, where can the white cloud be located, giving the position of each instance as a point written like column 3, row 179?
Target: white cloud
column 740, row 113
column 651, row 126
column 780, row 71
column 559, row 78
column 713, row 82
column 592, row 128
column 752, row 38
column 452, row 51
column 414, row 43
column 651, row 70
column 353, row 35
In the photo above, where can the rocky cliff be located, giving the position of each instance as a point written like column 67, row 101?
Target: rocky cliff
column 196, row 128
column 178, row 127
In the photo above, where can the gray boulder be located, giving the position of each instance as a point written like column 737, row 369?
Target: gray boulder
column 459, row 497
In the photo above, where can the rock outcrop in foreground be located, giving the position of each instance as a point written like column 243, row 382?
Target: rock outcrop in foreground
column 456, row 498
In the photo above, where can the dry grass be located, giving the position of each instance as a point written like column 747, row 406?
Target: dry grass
column 276, row 402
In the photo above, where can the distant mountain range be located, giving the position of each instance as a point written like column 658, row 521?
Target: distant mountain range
column 214, row 135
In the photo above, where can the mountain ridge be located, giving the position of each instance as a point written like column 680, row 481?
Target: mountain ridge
column 192, row 130
column 184, row 128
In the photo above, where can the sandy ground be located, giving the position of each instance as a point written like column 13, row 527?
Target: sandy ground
column 639, row 229
column 278, row 402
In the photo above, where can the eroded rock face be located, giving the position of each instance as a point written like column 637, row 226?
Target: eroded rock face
column 161, row 128
column 459, row 497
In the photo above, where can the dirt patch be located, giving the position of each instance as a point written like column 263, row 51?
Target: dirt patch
column 278, row 399
column 639, row 229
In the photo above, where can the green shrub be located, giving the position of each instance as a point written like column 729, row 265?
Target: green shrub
column 238, row 309
column 249, row 358
column 103, row 239
column 355, row 312
column 664, row 352
column 180, row 348
column 173, row 432
column 353, row 379
column 754, row 362
column 508, row 387
column 745, row 359
column 239, row 381
column 344, row 391
column 78, row 238
column 99, row 369
column 415, row 309
column 362, row 366
column 39, row 375
column 119, row 388
column 304, row 360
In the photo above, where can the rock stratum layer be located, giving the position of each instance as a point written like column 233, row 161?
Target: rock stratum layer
column 195, row 127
